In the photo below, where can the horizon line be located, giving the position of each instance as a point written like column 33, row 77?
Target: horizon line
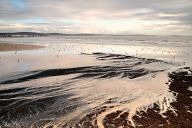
column 107, row 34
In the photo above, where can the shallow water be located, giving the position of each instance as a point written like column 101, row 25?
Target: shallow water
column 77, row 75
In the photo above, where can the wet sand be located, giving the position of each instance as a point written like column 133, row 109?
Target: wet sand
column 108, row 71
column 109, row 113
column 19, row 109
column 99, row 86
column 17, row 47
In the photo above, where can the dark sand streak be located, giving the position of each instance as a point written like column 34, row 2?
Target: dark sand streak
column 95, row 71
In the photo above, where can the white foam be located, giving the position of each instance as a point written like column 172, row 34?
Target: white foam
column 190, row 89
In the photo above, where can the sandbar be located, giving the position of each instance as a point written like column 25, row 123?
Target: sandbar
column 17, row 47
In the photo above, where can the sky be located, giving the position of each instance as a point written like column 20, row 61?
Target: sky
column 150, row 17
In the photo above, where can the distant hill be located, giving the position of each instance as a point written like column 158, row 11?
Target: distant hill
column 21, row 34
column 36, row 34
column 28, row 34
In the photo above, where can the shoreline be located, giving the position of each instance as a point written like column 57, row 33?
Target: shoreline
column 17, row 47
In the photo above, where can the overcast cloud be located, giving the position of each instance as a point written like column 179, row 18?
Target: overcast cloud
column 97, row 16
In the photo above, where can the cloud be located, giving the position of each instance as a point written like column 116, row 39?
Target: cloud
column 100, row 16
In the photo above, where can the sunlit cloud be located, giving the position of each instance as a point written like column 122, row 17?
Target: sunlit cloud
column 101, row 16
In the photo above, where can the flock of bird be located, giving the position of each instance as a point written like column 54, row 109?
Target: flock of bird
column 135, row 51
column 61, row 48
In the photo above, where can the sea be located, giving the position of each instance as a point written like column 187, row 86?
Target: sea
column 77, row 80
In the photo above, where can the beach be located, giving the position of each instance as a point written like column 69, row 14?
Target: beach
column 17, row 47
column 96, row 81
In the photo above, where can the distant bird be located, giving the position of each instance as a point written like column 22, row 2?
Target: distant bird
column 153, row 75
column 173, row 57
